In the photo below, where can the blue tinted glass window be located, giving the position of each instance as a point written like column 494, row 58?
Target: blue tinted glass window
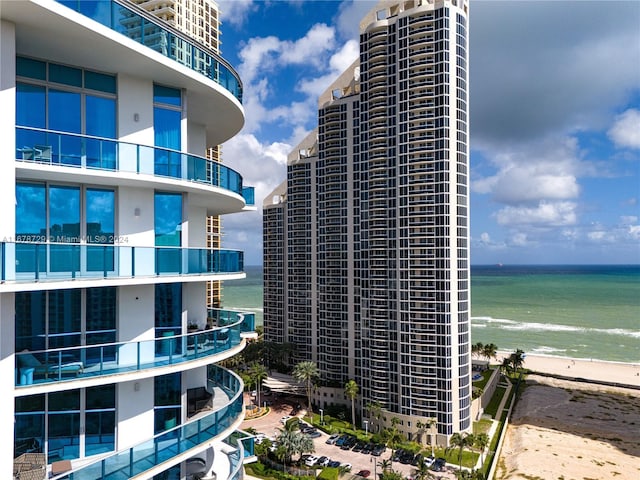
column 100, row 215
column 64, row 318
column 65, row 75
column 167, row 95
column 65, row 111
column 30, row 325
column 167, row 392
column 100, row 116
column 31, row 214
column 168, row 219
column 28, row 67
column 166, row 125
column 99, row 81
column 64, row 214
column 30, row 105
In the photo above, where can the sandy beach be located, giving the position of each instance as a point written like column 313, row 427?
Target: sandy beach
column 613, row 372
column 571, row 429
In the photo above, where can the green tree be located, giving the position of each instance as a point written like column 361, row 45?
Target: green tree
column 460, row 441
column 307, row 372
column 351, row 390
column 422, row 472
column 489, row 351
column 392, row 437
column 385, row 464
column 481, row 440
column 477, row 349
column 517, row 359
column 391, row 475
column 258, row 374
column 293, row 442
column 375, row 411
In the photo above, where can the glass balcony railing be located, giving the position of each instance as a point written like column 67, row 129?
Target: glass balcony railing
column 166, row 446
column 62, row 364
column 230, row 317
column 82, row 151
column 48, row 261
column 144, row 28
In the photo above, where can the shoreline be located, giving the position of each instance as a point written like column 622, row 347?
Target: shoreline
column 608, row 372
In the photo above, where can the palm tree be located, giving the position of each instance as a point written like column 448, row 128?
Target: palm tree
column 506, row 366
column 460, row 441
column 351, row 390
column 385, row 465
column 423, row 472
column 432, row 424
column 477, row 349
column 307, row 372
column 292, row 442
column 258, row 374
column 489, row 351
column 481, row 441
column 517, row 359
column 392, row 437
column 375, row 410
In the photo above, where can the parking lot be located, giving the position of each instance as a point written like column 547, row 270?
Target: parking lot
column 270, row 425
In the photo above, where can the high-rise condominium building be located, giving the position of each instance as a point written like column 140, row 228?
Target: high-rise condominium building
column 366, row 248
column 109, row 355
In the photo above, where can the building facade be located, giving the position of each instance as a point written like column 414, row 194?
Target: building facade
column 108, row 346
column 377, row 241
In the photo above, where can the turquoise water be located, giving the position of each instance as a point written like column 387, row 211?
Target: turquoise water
column 572, row 311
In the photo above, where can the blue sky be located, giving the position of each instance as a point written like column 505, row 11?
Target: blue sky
column 555, row 119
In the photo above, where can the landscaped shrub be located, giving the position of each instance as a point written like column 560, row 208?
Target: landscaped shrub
column 329, row 473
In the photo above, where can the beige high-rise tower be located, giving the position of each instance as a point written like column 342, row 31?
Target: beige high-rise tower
column 375, row 226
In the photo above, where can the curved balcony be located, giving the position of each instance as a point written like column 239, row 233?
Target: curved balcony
column 142, row 27
column 40, row 261
column 173, row 446
column 90, row 361
column 49, row 147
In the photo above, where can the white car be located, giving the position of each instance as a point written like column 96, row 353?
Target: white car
column 284, row 419
column 260, row 437
column 332, row 439
column 428, row 461
column 346, row 466
column 311, row 461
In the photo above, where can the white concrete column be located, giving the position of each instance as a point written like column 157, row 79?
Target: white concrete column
column 7, row 233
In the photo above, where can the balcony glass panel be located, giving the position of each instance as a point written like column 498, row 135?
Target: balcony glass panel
column 63, row 364
column 65, row 149
column 163, row 447
column 155, row 34
column 42, row 261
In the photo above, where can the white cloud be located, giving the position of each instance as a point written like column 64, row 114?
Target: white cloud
column 625, row 131
column 634, row 232
column 310, row 48
column 519, row 239
column 552, row 214
column 235, row 12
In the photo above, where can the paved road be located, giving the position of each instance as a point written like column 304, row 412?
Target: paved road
column 270, row 425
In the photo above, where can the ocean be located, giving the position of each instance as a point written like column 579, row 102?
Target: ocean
column 575, row 311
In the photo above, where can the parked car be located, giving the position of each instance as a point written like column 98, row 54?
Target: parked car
column 313, row 433
column 438, row 464
column 341, row 440
column 334, row 464
column 397, row 455
column 428, row 461
column 416, row 459
column 346, row 466
column 284, row 419
column 311, row 461
column 358, row 446
column 332, row 439
column 364, row 473
column 378, row 450
column 324, row 461
column 407, row 458
column 260, row 437
column 367, row 448
column 349, row 443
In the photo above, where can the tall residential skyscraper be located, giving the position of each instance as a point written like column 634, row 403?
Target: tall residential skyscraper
column 109, row 355
column 374, row 250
